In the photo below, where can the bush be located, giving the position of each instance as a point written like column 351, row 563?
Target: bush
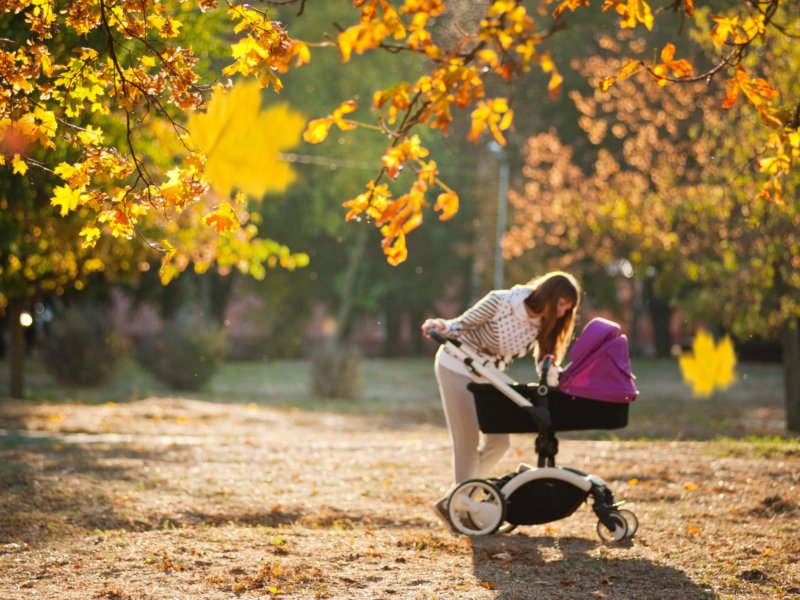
column 185, row 354
column 336, row 371
column 81, row 346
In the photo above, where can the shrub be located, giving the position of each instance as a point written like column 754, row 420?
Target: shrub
column 185, row 354
column 81, row 346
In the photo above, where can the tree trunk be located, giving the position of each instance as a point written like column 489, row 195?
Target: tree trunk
column 345, row 312
column 393, row 323
column 790, row 344
column 17, row 350
column 660, row 316
column 336, row 364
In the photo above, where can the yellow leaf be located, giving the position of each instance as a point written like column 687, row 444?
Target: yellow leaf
column 242, row 143
column 19, row 165
column 92, row 234
column 317, row 130
column 67, row 198
column 65, row 170
column 709, row 366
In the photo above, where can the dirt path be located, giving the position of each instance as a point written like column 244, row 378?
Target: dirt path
column 167, row 498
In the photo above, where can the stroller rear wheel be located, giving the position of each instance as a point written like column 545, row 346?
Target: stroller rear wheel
column 476, row 507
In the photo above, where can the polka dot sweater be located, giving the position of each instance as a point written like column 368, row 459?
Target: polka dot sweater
column 497, row 327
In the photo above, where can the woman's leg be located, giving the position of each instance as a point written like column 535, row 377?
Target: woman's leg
column 462, row 422
column 491, row 450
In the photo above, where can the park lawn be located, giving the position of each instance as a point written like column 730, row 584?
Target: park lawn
column 254, row 489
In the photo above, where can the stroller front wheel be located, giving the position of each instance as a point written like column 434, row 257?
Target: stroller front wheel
column 619, row 531
column 631, row 521
column 476, row 507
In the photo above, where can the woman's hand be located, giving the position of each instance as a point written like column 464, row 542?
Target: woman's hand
column 435, row 324
column 553, row 375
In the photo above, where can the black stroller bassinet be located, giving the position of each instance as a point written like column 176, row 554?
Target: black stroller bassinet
column 600, row 368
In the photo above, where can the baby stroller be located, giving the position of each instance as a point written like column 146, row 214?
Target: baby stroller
column 594, row 392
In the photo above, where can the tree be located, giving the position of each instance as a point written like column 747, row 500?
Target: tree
column 64, row 164
column 506, row 42
column 678, row 194
column 65, row 69
column 39, row 256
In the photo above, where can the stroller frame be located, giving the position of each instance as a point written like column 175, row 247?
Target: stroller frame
column 529, row 495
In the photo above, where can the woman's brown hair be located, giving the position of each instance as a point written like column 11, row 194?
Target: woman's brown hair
column 554, row 332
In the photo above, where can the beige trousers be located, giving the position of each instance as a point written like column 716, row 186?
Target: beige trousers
column 474, row 453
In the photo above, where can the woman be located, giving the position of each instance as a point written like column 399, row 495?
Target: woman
column 536, row 318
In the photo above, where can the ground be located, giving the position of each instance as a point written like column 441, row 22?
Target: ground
column 184, row 497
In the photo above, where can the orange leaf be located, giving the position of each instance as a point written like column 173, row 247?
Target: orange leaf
column 396, row 252
column 223, row 219
column 630, row 67
column 668, row 53
column 343, row 109
column 569, row 4
column 554, row 86
column 448, row 204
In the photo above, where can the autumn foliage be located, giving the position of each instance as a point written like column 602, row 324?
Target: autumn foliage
column 82, row 80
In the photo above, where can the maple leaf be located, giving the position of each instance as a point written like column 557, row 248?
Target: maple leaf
column 67, row 198
column 242, row 143
column 223, row 219
column 709, row 366
column 723, row 28
column 19, row 166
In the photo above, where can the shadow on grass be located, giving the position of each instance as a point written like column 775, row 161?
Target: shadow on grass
column 520, row 567
column 51, row 489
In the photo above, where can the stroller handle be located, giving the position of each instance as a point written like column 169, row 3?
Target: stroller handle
column 440, row 338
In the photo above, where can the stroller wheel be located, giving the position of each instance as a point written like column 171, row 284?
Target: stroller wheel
column 476, row 507
column 620, row 531
column 631, row 521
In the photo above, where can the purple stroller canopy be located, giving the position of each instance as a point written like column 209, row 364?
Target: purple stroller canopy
column 600, row 366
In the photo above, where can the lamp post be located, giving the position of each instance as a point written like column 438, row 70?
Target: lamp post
column 502, row 204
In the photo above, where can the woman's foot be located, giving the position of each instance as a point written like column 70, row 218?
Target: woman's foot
column 440, row 510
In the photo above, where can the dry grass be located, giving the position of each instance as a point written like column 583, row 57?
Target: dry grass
column 175, row 497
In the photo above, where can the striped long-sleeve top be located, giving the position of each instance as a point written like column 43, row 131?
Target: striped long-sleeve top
column 497, row 327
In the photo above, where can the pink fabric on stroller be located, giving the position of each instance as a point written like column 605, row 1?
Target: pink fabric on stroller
column 600, row 366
